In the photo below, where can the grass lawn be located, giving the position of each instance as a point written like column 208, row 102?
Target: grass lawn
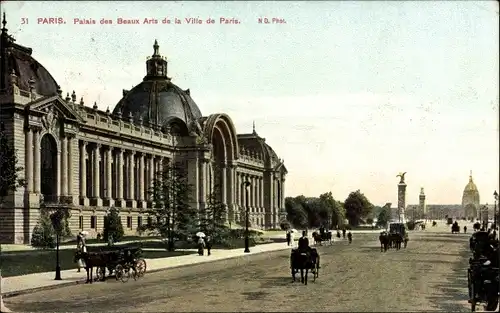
column 17, row 263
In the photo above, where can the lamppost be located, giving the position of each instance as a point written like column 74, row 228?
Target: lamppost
column 57, row 218
column 246, row 184
column 495, row 194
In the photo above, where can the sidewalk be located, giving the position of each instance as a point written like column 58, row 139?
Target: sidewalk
column 16, row 285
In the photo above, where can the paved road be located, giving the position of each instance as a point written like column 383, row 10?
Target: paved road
column 427, row 276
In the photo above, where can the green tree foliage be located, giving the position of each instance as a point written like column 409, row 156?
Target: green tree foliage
column 113, row 227
column 284, row 225
column 43, row 236
column 384, row 217
column 10, row 172
column 357, row 206
column 296, row 214
column 213, row 217
column 171, row 213
column 305, row 212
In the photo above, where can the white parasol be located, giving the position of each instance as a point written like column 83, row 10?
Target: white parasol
column 200, row 234
column 84, row 233
column 293, row 230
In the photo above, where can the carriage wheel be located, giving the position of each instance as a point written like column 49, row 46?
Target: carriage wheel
column 140, row 267
column 119, row 272
column 126, row 275
column 100, row 273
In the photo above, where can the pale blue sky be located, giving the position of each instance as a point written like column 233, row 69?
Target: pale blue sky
column 347, row 93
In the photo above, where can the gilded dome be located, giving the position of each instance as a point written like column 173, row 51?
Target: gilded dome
column 471, row 187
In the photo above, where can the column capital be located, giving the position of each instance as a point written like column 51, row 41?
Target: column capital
column 84, row 143
column 97, row 145
column 132, row 152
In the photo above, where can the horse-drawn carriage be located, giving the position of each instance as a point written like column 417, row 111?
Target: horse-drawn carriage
column 482, row 274
column 122, row 262
column 322, row 236
column 394, row 237
column 455, row 228
column 304, row 262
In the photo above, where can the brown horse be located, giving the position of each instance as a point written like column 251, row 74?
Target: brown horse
column 98, row 260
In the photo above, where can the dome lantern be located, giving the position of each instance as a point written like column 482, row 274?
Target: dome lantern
column 156, row 65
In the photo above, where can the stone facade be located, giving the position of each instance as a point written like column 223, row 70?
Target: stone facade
column 79, row 157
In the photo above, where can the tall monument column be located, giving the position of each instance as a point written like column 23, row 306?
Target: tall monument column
column 402, row 197
column 421, row 204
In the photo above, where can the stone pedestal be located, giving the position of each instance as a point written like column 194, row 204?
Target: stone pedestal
column 402, row 202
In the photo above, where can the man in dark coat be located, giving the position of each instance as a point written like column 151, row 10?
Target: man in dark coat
column 208, row 244
column 303, row 245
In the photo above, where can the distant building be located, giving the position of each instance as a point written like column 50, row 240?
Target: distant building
column 470, row 207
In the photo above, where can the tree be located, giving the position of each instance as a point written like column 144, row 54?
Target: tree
column 296, row 214
column 113, row 227
column 171, row 211
column 357, row 206
column 43, row 235
column 384, row 217
column 10, row 172
column 213, row 217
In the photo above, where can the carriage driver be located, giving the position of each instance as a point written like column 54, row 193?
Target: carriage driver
column 303, row 245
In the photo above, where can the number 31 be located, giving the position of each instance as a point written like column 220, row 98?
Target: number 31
column 24, row 20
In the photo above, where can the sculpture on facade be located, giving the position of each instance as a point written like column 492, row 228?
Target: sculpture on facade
column 49, row 119
column 402, row 175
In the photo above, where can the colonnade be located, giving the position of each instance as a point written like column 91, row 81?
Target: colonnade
column 64, row 161
column 117, row 176
column 256, row 205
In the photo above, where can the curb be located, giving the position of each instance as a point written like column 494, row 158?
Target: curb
column 78, row 282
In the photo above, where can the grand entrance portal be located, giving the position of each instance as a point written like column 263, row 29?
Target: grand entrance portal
column 48, row 179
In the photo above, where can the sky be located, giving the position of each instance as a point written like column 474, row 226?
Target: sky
column 348, row 93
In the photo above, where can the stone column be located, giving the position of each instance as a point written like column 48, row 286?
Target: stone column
column 141, row 178
column 254, row 195
column 261, row 196
column 223, row 186
column 230, row 191
column 109, row 172
column 29, row 160
column 63, row 182
column 131, row 168
column 96, row 175
column 271, row 215
column 202, row 184
column 37, row 165
column 402, row 201
column 83, row 170
column 119, row 171
column 70, row 166
column 151, row 176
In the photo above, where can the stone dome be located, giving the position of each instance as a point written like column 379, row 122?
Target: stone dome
column 157, row 101
column 471, row 194
column 17, row 59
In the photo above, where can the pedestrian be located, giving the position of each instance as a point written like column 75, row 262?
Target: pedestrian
column 288, row 238
column 292, row 239
column 343, row 232
column 208, row 244
column 201, row 246
column 81, row 247
column 349, row 236
column 338, row 233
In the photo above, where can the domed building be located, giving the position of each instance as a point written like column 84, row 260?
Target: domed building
column 470, row 199
column 88, row 160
